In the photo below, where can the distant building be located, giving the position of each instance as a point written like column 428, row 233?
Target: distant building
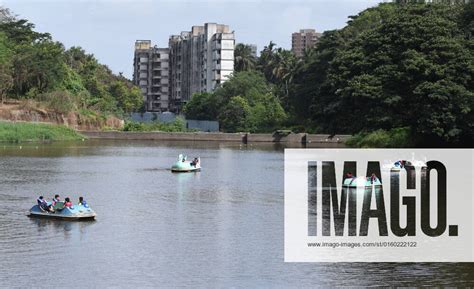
column 151, row 74
column 302, row 40
column 200, row 60
column 253, row 48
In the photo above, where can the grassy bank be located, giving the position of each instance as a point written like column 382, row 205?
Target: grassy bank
column 394, row 138
column 35, row 132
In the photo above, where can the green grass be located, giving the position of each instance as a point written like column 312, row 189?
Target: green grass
column 15, row 132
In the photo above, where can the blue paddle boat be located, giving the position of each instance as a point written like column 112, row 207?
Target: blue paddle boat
column 361, row 182
column 183, row 165
column 74, row 213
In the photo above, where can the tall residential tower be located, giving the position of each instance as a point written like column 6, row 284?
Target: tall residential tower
column 200, row 60
column 302, row 40
column 151, row 74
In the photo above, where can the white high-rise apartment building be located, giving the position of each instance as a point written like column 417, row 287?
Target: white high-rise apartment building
column 200, row 60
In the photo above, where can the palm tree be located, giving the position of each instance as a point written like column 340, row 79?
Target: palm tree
column 285, row 66
column 244, row 60
column 266, row 60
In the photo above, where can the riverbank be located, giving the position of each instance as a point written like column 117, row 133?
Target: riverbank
column 15, row 132
column 34, row 111
column 302, row 138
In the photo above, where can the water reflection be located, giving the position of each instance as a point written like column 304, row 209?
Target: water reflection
column 221, row 227
column 49, row 226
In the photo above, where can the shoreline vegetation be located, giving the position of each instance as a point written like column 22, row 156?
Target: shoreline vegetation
column 178, row 125
column 397, row 75
column 17, row 132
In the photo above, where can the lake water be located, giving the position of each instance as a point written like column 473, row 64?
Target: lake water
column 219, row 228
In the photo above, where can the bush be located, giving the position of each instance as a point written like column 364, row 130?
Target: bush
column 178, row 125
column 59, row 101
column 394, row 138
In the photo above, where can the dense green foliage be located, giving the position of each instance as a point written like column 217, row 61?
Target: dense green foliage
column 398, row 65
column 243, row 103
column 178, row 125
column 394, row 138
column 27, row 132
column 243, row 58
column 34, row 66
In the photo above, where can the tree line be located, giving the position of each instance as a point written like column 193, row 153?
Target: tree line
column 403, row 69
column 34, row 66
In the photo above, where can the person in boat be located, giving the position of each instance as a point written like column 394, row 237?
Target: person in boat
column 400, row 164
column 67, row 203
column 195, row 162
column 83, row 202
column 56, row 199
column 349, row 175
column 373, row 178
column 43, row 204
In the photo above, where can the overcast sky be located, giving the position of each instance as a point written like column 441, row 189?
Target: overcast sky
column 109, row 28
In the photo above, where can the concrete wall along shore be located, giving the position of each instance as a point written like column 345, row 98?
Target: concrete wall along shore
column 221, row 137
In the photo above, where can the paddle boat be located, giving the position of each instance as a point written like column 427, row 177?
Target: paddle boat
column 183, row 165
column 74, row 213
column 361, row 182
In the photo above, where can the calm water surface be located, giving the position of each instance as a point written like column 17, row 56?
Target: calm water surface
column 222, row 227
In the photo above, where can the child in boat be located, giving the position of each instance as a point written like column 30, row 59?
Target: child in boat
column 43, row 204
column 83, row 202
column 350, row 176
column 67, row 203
column 56, row 199
column 373, row 178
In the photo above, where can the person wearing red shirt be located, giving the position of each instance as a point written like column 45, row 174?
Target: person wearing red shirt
column 67, row 202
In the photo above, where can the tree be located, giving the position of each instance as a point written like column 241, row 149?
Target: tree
column 203, row 106
column 266, row 61
column 128, row 99
column 247, row 84
column 6, row 81
column 235, row 115
column 244, row 60
column 266, row 115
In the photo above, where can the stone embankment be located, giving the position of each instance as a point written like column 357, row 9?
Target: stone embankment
column 221, row 137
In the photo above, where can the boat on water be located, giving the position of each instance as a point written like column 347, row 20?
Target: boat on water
column 361, row 182
column 74, row 213
column 183, row 165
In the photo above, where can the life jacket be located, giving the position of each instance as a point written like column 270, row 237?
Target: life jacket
column 68, row 204
column 55, row 201
column 40, row 201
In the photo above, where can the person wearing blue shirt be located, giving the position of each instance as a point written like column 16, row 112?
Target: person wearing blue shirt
column 83, row 202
